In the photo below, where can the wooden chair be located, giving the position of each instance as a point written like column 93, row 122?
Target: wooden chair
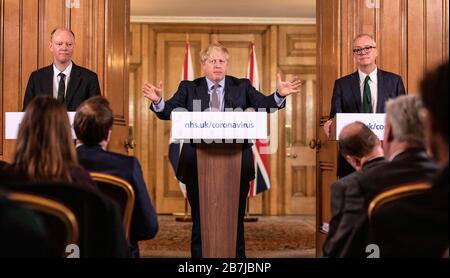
column 59, row 220
column 119, row 191
column 394, row 194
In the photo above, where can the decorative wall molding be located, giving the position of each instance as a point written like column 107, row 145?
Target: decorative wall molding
column 221, row 20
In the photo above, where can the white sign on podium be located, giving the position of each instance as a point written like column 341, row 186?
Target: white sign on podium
column 375, row 121
column 13, row 120
column 219, row 125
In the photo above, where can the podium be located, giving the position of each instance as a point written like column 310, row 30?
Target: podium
column 219, row 137
column 13, row 120
column 375, row 121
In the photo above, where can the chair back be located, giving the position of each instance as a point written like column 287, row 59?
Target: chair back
column 393, row 194
column 59, row 220
column 119, row 191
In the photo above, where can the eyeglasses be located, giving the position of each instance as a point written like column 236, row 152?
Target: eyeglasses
column 364, row 50
column 216, row 61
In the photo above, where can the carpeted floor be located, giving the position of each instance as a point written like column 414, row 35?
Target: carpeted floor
column 269, row 237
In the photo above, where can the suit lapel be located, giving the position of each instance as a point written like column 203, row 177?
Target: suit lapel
column 381, row 98
column 229, row 94
column 356, row 91
column 201, row 93
column 47, row 82
column 74, row 82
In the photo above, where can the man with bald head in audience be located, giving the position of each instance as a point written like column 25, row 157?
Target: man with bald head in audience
column 347, row 235
column 64, row 80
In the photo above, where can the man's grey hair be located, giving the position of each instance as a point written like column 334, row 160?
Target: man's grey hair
column 405, row 114
column 365, row 35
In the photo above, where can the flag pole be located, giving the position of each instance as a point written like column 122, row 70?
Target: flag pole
column 186, row 217
column 186, row 75
column 247, row 217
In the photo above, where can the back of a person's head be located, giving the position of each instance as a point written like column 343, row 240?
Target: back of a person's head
column 405, row 115
column 44, row 146
column 93, row 120
column 356, row 139
column 434, row 90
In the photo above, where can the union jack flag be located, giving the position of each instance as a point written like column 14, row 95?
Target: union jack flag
column 261, row 159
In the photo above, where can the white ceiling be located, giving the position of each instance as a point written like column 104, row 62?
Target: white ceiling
column 269, row 9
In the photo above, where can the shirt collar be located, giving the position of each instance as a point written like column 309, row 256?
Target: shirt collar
column 211, row 83
column 373, row 75
column 66, row 71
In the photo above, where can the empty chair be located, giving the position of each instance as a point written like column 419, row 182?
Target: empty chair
column 121, row 192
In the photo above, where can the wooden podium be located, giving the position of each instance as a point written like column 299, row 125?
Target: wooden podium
column 219, row 170
column 219, row 177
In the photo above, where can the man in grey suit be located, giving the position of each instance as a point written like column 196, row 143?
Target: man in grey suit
column 65, row 81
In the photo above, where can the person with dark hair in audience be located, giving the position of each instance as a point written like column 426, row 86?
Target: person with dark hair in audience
column 347, row 235
column 392, row 226
column 44, row 148
column 93, row 124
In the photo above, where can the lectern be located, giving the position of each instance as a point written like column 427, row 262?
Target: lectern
column 375, row 121
column 219, row 139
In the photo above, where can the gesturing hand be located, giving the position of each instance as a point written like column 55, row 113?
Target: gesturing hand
column 152, row 92
column 286, row 88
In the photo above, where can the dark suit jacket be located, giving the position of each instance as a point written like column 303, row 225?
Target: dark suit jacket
column 348, row 226
column 347, row 93
column 83, row 84
column 411, row 166
column 238, row 94
column 144, row 222
column 415, row 225
column 347, row 99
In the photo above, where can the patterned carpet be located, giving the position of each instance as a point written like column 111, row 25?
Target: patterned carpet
column 285, row 237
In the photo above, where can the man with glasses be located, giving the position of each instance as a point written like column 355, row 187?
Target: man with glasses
column 364, row 91
column 220, row 92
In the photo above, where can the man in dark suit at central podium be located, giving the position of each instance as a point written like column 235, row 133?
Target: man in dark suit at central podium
column 216, row 91
column 364, row 91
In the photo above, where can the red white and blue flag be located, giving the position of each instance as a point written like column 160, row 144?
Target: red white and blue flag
column 261, row 159
column 187, row 73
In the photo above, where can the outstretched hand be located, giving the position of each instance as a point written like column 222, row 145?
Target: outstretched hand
column 152, row 92
column 286, row 88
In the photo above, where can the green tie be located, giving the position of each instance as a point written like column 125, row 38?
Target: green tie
column 367, row 99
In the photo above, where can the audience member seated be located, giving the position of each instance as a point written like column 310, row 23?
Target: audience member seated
column 424, row 218
column 93, row 124
column 22, row 232
column 44, row 147
column 45, row 163
column 404, row 146
column 347, row 236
